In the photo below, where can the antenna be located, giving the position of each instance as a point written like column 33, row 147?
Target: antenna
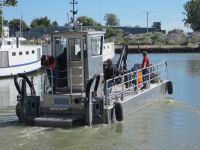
column 2, row 34
column 147, row 22
column 74, row 12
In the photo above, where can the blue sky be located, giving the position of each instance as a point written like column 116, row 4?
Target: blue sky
column 130, row 12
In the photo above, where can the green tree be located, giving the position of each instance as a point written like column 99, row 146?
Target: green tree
column 111, row 20
column 54, row 24
column 192, row 12
column 137, row 26
column 6, row 3
column 16, row 24
column 86, row 21
column 40, row 23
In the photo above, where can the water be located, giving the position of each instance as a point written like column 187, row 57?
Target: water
column 172, row 123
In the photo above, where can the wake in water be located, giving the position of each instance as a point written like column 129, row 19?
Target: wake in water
column 179, row 103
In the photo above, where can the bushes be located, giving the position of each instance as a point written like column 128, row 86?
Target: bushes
column 112, row 32
column 184, row 42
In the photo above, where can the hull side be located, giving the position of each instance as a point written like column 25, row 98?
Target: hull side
column 137, row 102
column 25, row 68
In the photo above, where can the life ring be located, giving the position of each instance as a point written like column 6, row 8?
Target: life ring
column 119, row 112
column 170, row 87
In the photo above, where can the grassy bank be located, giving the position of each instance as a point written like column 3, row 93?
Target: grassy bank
column 159, row 48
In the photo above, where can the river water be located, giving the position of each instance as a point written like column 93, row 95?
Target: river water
column 170, row 124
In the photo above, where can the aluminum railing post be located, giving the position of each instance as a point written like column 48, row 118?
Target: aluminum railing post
column 123, row 87
column 149, row 81
column 158, row 73
column 106, row 92
column 167, row 70
column 137, row 88
column 52, row 81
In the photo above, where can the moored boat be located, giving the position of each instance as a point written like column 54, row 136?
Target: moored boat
column 18, row 58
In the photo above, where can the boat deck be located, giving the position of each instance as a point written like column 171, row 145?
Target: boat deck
column 128, row 92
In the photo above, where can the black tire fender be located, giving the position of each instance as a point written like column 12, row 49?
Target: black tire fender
column 18, row 110
column 170, row 87
column 118, row 111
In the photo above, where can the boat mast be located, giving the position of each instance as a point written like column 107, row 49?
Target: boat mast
column 2, row 26
column 74, row 12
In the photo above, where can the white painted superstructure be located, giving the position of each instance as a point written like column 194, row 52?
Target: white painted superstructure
column 108, row 51
column 18, row 58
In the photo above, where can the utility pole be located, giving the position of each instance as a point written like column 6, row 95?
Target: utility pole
column 20, row 28
column 74, row 12
column 147, row 22
column 2, row 25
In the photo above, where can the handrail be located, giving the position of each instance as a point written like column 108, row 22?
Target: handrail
column 67, row 77
column 160, row 70
column 71, row 77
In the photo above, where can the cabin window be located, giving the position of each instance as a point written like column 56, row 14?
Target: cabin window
column 97, row 46
column 8, row 42
column 27, row 52
column 13, row 53
column 60, row 47
column 33, row 52
column 20, row 53
column 4, row 59
column 75, row 49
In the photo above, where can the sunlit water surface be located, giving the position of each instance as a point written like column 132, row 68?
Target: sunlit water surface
column 170, row 124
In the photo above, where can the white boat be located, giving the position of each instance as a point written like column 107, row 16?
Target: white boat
column 18, row 58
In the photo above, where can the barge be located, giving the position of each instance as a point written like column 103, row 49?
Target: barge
column 78, row 98
column 72, row 93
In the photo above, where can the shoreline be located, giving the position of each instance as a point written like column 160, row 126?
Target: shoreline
column 159, row 49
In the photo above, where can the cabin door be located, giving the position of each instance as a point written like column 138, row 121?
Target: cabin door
column 60, row 54
column 75, row 63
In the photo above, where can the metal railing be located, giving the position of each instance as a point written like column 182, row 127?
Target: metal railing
column 48, row 80
column 76, row 76
column 130, row 83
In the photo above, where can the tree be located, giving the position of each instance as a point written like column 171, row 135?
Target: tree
column 192, row 12
column 111, row 20
column 8, row 3
column 137, row 26
column 54, row 24
column 16, row 24
column 40, row 23
column 87, row 21
column 3, row 4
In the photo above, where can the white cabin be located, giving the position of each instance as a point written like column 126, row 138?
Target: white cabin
column 18, row 58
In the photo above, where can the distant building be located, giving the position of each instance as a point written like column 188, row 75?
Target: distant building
column 156, row 27
column 38, row 33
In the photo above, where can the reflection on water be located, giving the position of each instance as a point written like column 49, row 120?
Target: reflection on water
column 170, row 124
column 7, row 92
column 194, row 67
